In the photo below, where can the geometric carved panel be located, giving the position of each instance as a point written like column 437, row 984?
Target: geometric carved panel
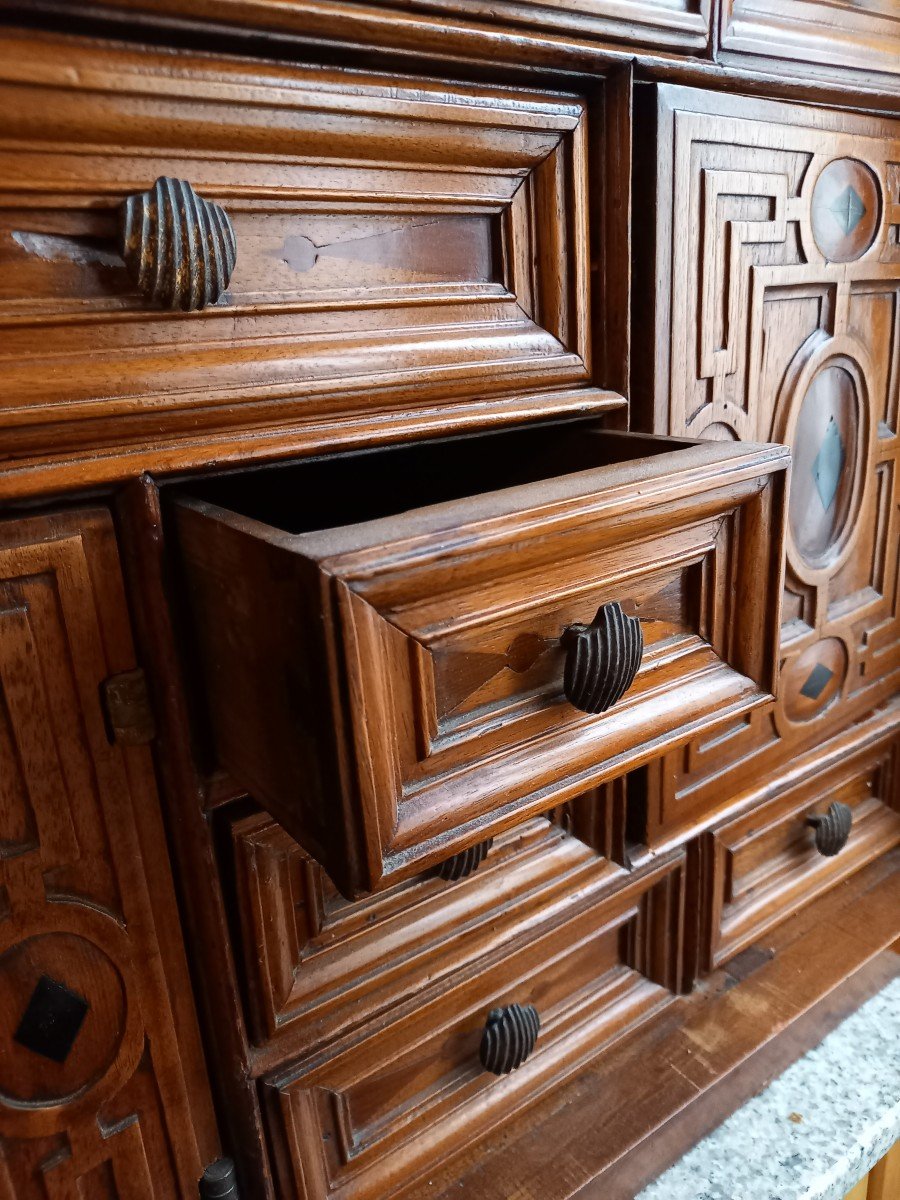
column 779, row 320
column 94, row 1093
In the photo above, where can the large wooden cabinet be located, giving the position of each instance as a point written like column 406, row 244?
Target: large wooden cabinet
column 449, row 576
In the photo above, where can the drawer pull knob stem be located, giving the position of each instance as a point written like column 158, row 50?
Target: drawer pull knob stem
column 509, row 1037
column 179, row 249
column 832, row 828
column 464, row 863
column 602, row 658
column 219, row 1181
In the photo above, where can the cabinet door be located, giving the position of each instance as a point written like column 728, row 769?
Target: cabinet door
column 102, row 1085
column 776, row 283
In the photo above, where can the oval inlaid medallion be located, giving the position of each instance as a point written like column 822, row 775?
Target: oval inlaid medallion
column 62, row 1017
column 813, row 679
column 846, row 210
column 825, row 448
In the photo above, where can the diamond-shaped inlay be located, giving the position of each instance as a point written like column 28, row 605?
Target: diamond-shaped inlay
column 828, row 464
column 52, row 1020
column 817, row 681
column 848, row 209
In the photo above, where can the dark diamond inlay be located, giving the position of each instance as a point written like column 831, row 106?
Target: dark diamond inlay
column 52, row 1020
column 817, row 682
column 829, row 463
column 848, row 209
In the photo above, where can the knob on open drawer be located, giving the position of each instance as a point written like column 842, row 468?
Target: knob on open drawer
column 602, row 658
column 179, row 249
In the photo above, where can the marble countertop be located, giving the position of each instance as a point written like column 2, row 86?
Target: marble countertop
column 815, row 1131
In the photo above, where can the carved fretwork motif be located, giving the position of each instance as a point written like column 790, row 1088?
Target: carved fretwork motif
column 778, row 229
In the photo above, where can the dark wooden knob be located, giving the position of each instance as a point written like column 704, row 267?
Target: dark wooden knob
column 219, row 1181
column 602, row 658
column 179, row 249
column 464, row 863
column 509, row 1037
column 832, row 828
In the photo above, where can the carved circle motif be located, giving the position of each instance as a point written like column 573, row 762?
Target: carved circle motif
column 69, row 1031
column 812, row 680
column 62, row 1007
column 846, row 210
column 825, row 480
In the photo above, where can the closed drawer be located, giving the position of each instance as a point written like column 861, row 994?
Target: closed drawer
column 402, row 248
column 317, row 964
column 395, row 689
column 670, row 23
column 834, row 39
column 781, row 854
column 368, row 1114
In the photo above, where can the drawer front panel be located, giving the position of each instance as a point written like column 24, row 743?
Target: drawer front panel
column 796, row 341
column 414, row 667
column 405, row 249
column 373, row 1115
column 318, row 964
column 767, row 863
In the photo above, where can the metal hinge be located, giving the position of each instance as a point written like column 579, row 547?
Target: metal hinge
column 219, row 1181
column 127, row 709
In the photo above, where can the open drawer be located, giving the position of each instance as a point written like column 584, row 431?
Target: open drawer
column 400, row 646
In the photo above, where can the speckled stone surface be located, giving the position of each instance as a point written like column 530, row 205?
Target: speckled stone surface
column 814, row 1132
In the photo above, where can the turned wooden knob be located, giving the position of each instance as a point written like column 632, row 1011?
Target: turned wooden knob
column 509, row 1037
column 219, row 1181
column 832, row 828
column 179, row 249
column 464, row 863
column 602, row 658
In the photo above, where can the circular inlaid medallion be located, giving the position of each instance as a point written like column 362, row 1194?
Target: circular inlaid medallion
column 62, row 1018
column 812, row 680
column 823, row 479
column 846, row 210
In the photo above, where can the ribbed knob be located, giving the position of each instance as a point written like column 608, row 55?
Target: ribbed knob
column 509, row 1037
column 179, row 249
column 464, row 863
column 832, row 828
column 602, row 658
